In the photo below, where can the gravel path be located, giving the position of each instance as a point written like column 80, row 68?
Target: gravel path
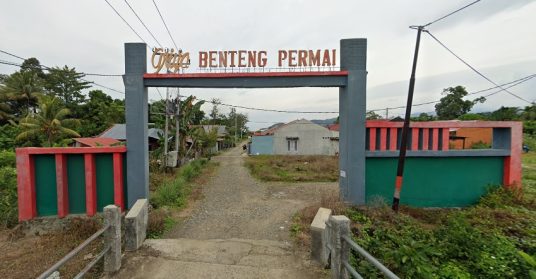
column 236, row 205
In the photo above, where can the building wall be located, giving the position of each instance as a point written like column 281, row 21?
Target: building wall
column 473, row 135
column 312, row 139
column 262, row 145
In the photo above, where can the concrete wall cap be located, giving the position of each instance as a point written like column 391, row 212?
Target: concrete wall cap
column 322, row 215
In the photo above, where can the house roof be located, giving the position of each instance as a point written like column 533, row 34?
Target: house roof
column 272, row 129
column 94, row 142
column 119, row 132
column 334, row 127
column 222, row 130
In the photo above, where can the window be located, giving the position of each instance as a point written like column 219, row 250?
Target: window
column 292, row 145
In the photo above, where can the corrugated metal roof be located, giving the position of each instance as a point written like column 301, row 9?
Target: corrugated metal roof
column 94, row 142
column 119, row 132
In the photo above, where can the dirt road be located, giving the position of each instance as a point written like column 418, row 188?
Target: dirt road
column 240, row 229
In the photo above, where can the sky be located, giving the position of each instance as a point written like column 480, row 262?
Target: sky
column 495, row 36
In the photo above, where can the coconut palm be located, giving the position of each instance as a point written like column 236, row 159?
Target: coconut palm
column 24, row 88
column 50, row 122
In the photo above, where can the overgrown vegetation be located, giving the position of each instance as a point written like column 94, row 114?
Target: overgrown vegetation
column 8, row 189
column 494, row 239
column 172, row 194
column 293, row 168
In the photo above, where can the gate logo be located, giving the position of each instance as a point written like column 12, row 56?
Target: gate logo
column 171, row 60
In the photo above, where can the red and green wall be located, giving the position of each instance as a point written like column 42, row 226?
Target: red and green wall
column 63, row 181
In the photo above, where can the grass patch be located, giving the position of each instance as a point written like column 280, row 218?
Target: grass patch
column 173, row 192
column 494, row 239
column 294, row 168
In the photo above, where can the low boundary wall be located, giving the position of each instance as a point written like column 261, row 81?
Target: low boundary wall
column 436, row 176
column 69, row 180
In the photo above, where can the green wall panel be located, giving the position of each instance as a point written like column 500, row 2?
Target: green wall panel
column 76, row 180
column 45, row 185
column 105, row 180
column 434, row 181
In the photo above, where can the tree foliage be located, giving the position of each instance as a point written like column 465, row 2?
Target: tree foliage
column 50, row 125
column 66, row 84
column 453, row 105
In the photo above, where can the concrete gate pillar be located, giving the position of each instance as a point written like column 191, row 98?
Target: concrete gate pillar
column 352, row 117
column 136, row 116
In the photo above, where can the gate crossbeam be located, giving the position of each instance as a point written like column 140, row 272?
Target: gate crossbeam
column 248, row 80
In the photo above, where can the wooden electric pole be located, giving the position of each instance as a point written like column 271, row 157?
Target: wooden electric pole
column 405, row 129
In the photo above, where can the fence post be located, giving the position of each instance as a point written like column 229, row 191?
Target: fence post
column 112, row 237
column 340, row 250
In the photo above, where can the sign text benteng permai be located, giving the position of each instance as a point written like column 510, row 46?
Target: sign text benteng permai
column 174, row 61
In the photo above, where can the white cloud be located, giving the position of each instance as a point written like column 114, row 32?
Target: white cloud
column 494, row 35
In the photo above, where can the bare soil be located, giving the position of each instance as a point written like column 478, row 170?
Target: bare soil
column 236, row 205
column 27, row 256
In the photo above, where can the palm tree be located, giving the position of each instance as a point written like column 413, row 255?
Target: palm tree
column 51, row 122
column 24, row 88
column 190, row 115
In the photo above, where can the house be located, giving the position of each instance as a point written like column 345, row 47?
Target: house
column 464, row 138
column 119, row 132
column 94, row 142
column 222, row 134
column 299, row 137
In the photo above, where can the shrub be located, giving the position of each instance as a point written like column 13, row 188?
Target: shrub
column 8, row 197
column 480, row 145
column 7, row 158
column 173, row 193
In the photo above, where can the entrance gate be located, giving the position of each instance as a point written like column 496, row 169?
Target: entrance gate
column 351, row 81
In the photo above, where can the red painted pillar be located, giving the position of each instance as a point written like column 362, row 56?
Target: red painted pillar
column 512, row 164
column 91, row 184
column 26, row 185
column 383, row 139
column 435, row 139
column 119, row 197
column 425, row 138
column 415, row 139
column 61, row 185
column 372, row 139
column 393, row 139
column 445, row 139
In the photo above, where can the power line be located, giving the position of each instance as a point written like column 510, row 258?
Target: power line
column 449, row 14
column 47, row 68
column 142, row 23
column 165, row 25
column 513, row 83
column 473, row 68
column 43, row 67
column 126, row 22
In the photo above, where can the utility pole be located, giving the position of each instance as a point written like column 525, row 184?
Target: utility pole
column 386, row 113
column 177, row 112
column 236, row 127
column 405, row 129
column 166, row 127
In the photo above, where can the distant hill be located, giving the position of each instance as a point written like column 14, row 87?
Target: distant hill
column 324, row 122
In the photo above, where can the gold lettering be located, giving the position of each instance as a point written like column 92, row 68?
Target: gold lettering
column 292, row 58
column 326, row 61
column 282, row 56
column 262, row 60
column 222, row 55
column 171, row 60
column 302, row 58
column 252, row 62
column 314, row 58
column 212, row 59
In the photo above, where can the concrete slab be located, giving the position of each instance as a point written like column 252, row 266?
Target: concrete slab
column 136, row 225
column 319, row 236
